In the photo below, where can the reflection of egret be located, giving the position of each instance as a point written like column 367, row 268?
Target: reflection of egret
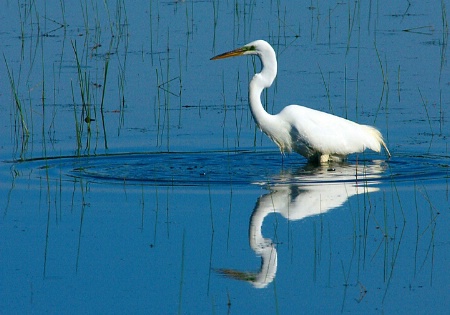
column 315, row 135
column 263, row 247
column 298, row 201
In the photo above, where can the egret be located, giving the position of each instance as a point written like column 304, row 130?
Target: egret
column 318, row 136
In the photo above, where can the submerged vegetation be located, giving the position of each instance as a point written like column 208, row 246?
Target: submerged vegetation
column 94, row 81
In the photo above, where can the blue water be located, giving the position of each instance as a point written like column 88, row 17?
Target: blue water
column 172, row 201
column 224, row 168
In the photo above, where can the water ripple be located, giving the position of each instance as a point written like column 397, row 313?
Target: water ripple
column 242, row 167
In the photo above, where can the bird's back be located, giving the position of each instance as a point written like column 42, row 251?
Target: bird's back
column 318, row 133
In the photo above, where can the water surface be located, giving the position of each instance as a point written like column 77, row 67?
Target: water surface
column 134, row 178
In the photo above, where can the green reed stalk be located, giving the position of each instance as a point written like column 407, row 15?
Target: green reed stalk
column 182, row 272
column 25, row 132
column 327, row 89
column 105, row 75
column 77, row 124
column 424, row 102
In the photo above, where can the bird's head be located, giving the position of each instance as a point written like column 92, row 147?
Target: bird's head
column 253, row 48
column 268, row 58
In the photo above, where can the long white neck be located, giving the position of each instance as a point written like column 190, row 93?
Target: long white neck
column 263, row 247
column 261, row 81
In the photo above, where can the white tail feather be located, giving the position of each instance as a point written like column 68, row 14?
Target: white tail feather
column 378, row 138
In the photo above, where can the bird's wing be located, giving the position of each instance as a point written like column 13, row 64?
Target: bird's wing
column 329, row 134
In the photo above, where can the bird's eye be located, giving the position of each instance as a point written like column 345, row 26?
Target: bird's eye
column 249, row 48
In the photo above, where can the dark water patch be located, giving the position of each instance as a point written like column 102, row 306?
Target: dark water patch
column 237, row 168
column 419, row 167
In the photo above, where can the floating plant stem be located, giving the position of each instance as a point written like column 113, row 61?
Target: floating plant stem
column 84, row 11
column 238, row 126
column 416, row 249
column 211, row 251
column 156, row 216
column 351, row 23
column 441, row 113
column 215, row 5
column 142, row 207
column 44, row 146
column 47, row 231
column 77, row 124
column 105, row 75
column 315, row 252
column 158, row 116
column 210, row 206
column 327, row 89
column 385, row 87
column 168, row 88
column 80, row 229
column 25, row 132
column 426, row 111
column 424, row 30
column 63, row 12
column 80, row 75
column 182, row 273
column 181, row 88
column 231, row 201
column 398, row 83
column 150, row 12
column 345, row 91
column 395, row 252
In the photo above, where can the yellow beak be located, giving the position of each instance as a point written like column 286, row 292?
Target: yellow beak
column 233, row 53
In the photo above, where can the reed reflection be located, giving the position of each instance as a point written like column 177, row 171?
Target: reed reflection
column 310, row 191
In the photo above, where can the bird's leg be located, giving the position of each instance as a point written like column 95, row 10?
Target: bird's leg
column 325, row 158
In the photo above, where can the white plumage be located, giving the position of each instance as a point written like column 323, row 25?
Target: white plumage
column 316, row 135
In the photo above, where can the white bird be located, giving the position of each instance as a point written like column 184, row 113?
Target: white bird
column 318, row 136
